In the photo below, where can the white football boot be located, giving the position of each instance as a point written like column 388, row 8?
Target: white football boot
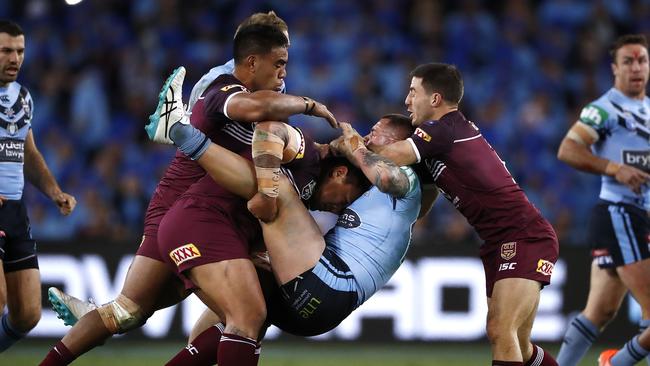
column 170, row 109
column 69, row 308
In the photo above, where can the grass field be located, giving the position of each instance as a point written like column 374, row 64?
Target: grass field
column 283, row 354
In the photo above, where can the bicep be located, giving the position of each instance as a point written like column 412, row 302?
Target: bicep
column 577, row 142
column 242, row 107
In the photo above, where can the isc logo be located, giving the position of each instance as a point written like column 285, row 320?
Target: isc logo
column 507, row 266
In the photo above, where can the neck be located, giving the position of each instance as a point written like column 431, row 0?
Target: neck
column 638, row 96
column 244, row 76
column 441, row 111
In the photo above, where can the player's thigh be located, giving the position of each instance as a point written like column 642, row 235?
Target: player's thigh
column 148, row 282
column 293, row 239
column 606, row 293
column 231, row 287
column 24, row 296
column 513, row 302
column 636, row 277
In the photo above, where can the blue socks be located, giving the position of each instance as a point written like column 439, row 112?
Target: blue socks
column 630, row 354
column 643, row 325
column 577, row 341
column 8, row 335
column 189, row 140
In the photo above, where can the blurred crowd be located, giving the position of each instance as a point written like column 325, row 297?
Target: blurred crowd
column 94, row 71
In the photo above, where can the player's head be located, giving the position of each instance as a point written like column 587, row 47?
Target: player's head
column 269, row 18
column 630, row 64
column 261, row 56
column 12, row 51
column 340, row 183
column 390, row 128
column 435, row 88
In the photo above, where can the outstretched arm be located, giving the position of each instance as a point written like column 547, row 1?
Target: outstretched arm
column 267, row 105
column 383, row 173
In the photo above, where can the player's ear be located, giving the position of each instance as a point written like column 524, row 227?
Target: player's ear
column 435, row 99
column 340, row 171
column 251, row 62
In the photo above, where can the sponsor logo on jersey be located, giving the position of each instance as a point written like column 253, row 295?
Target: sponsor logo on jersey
column 308, row 190
column 348, row 219
column 423, row 135
column 507, row 266
column 4, row 99
column 638, row 159
column 184, row 253
column 545, row 267
column 508, row 250
column 12, row 150
column 593, row 115
column 228, row 87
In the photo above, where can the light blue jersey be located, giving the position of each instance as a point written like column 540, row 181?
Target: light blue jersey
column 623, row 127
column 372, row 237
column 207, row 79
column 16, row 111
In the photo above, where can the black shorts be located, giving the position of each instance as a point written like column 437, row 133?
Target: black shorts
column 17, row 247
column 306, row 306
column 618, row 234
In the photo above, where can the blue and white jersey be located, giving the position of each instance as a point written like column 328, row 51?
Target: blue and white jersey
column 623, row 127
column 373, row 234
column 207, row 79
column 16, row 111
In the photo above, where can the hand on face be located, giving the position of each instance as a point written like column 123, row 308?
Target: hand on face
column 349, row 142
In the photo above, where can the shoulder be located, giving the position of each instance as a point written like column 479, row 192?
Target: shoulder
column 596, row 113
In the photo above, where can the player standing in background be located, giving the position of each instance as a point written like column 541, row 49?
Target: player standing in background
column 611, row 139
column 520, row 247
column 20, row 283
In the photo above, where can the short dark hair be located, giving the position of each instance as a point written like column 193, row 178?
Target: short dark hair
column 11, row 28
column 355, row 175
column 257, row 39
column 625, row 40
column 441, row 78
column 269, row 18
column 401, row 124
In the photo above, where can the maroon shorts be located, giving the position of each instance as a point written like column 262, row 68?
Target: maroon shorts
column 533, row 256
column 197, row 231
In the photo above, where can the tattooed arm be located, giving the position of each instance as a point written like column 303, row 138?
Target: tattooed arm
column 381, row 172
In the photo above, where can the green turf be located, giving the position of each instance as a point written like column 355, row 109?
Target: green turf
column 282, row 354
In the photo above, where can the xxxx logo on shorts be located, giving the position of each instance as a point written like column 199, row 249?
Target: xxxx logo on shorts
column 184, row 253
column 545, row 267
column 508, row 250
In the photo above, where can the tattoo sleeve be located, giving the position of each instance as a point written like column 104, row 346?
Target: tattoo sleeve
column 384, row 174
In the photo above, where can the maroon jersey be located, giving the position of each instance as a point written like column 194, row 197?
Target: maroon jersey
column 210, row 116
column 470, row 174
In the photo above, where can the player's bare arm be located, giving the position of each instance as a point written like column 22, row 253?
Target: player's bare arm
column 274, row 143
column 383, row 173
column 268, row 105
column 37, row 172
column 575, row 151
column 400, row 152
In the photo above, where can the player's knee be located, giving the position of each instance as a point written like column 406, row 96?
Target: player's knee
column 26, row 319
column 497, row 330
column 121, row 315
